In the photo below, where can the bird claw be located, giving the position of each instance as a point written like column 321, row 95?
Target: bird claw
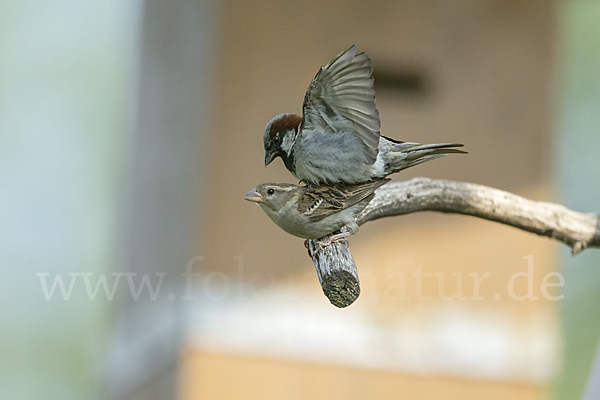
column 337, row 238
column 307, row 183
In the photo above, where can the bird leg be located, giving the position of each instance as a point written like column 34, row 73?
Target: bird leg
column 338, row 237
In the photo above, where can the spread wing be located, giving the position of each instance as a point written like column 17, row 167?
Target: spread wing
column 321, row 201
column 341, row 97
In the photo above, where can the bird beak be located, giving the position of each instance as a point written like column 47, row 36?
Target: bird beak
column 270, row 155
column 253, row 196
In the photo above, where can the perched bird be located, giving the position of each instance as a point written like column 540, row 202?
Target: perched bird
column 312, row 212
column 337, row 138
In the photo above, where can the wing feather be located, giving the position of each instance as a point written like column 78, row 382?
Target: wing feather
column 322, row 201
column 341, row 98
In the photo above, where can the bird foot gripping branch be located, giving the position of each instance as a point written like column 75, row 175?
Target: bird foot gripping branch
column 321, row 244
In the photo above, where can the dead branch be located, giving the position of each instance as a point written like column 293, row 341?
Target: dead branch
column 336, row 268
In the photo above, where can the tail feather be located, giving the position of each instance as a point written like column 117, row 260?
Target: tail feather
column 408, row 164
column 408, row 146
column 406, row 155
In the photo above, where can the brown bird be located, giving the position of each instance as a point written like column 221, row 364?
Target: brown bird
column 312, row 212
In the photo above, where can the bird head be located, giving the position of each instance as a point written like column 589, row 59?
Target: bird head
column 280, row 135
column 272, row 197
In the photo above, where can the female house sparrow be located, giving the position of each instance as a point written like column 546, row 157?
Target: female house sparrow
column 312, row 212
column 337, row 139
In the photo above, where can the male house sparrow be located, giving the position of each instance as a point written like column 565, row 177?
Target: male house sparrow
column 312, row 212
column 337, row 139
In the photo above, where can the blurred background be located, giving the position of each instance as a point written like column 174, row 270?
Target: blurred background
column 132, row 268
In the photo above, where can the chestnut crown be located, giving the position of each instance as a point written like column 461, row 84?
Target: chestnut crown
column 275, row 132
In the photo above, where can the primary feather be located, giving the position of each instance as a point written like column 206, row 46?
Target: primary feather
column 341, row 98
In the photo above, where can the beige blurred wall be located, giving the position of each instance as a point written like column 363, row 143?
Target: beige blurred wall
column 486, row 70
column 223, row 376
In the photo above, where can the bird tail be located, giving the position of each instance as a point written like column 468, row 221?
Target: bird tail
column 405, row 154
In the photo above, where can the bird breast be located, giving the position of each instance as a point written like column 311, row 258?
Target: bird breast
column 298, row 225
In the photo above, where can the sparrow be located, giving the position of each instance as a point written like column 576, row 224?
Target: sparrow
column 312, row 212
column 337, row 139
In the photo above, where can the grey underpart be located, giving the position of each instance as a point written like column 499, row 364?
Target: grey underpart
column 316, row 162
column 575, row 229
column 325, row 157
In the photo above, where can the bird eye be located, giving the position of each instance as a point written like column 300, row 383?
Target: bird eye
column 271, row 191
